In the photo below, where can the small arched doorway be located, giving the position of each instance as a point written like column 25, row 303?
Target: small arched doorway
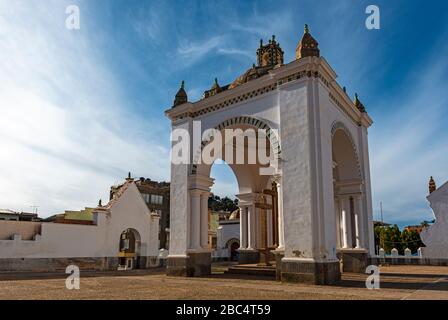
column 129, row 249
column 233, row 245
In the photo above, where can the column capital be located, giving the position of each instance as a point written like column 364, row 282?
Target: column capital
column 202, row 182
column 277, row 178
column 196, row 192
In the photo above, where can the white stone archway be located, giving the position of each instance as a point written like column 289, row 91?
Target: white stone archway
column 310, row 119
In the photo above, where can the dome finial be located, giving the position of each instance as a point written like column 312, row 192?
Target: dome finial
column 181, row 96
column 308, row 46
column 306, row 29
column 432, row 185
column 358, row 104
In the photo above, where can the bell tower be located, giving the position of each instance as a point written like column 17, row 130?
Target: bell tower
column 269, row 55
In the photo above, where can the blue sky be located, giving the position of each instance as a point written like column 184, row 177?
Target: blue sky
column 79, row 109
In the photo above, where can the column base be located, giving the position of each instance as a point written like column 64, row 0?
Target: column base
column 248, row 256
column 354, row 260
column 195, row 264
column 279, row 254
column 309, row 271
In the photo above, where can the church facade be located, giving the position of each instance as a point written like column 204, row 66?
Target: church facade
column 310, row 208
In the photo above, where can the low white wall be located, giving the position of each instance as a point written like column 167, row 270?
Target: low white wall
column 226, row 232
column 101, row 240
column 26, row 229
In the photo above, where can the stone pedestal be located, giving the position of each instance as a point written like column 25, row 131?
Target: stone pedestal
column 310, row 271
column 248, row 256
column 196, row 264
column 354, row 260
column 279, row 254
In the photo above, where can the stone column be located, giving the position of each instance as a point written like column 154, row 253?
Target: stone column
column 195, row 234
column 345, row 206
column 251, row 227
column 358, row 222
column 243, row 227
column 337, row 213
column 281, row 231
column 204, row 219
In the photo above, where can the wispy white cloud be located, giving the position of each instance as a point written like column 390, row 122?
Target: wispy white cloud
column 192, row 51
column 409, row 145
column 65, row 130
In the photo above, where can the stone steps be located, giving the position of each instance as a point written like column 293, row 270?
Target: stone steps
column 254, row 270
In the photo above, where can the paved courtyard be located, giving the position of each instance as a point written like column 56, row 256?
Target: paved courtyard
column 397, row 282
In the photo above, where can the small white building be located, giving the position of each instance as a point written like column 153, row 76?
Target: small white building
column 435, row 237
column 124, row 232
column 228, row 238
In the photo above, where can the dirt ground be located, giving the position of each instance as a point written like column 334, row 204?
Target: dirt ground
column 396, row 282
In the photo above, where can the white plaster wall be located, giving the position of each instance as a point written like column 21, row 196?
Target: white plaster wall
column 264, row 107
column 180, row 202
column 435, row 237
column 27, row 230
column 296, row 170
column 227, row 232
column 69, row 240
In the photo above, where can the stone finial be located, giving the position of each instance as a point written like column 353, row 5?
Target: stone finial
column 100, row 204
column 394, row 252
column 358, row 104
column 306, row 29
column 432, row 185
column 181, row 95
column 407, row 252
column 308, row 46
column 420, row 252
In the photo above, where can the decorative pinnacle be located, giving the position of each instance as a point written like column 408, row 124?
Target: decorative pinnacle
column 100, row 203
column 216, row 81
column 273, row 38
column 261, row 43
column 432, row 185
column 129, row 173
column 182, row 85
column 306, row 28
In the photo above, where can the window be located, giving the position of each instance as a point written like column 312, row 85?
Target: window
column 153, row 198
column 156, row 199
column 146, row 197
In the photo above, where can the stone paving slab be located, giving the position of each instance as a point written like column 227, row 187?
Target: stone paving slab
column 397, row 282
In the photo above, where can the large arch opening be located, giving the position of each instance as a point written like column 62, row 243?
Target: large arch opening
column 251, row 149
column 129, row 250
column 348, row 196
